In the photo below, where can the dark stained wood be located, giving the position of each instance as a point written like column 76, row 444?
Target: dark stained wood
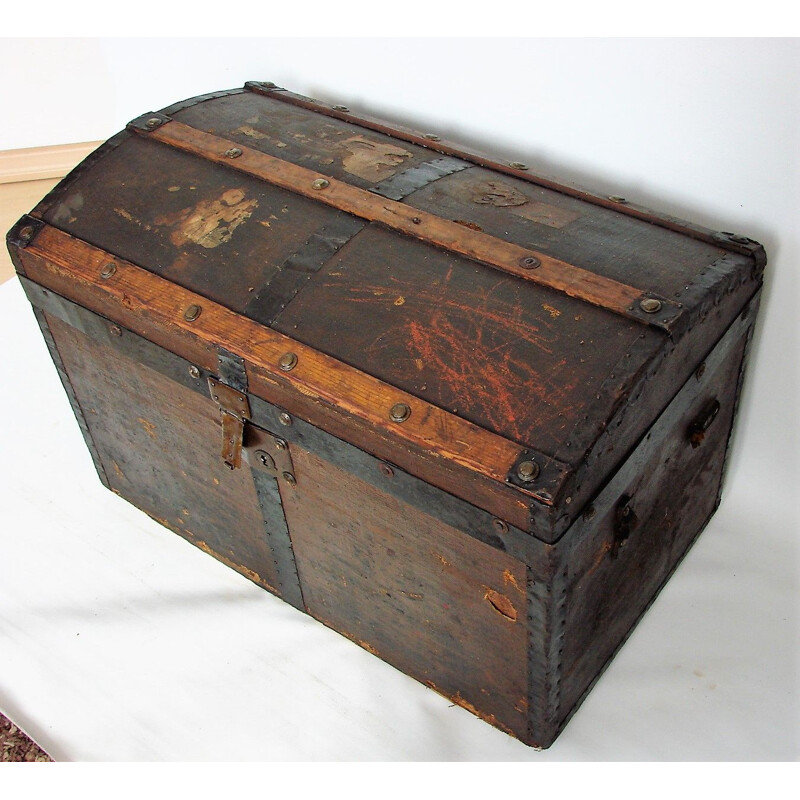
column 219, row 233
column 440, row 145
column 449, row 452
column 446, row 610
column 336, row 147
column 614, row 245
column 605, row 445
column 567, row 278
column 408, row 537
column 41, row 319
column 464, row 338
column 159, row 445
column 673, row 488
column 248, row 271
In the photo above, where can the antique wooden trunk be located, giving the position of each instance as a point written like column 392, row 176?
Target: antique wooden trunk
column 466, row 416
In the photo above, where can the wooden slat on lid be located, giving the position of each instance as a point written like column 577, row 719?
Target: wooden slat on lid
column 521, row 262
column 434, row 444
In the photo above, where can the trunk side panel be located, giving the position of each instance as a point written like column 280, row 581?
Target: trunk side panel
column 617, row 566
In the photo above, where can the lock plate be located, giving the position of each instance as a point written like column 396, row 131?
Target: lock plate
column 266, row 452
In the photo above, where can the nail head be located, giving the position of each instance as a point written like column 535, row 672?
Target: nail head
column 527, row 471
column 289, row 478
column 400, row 412
column 500, row 525
column 192, row 312
column 287, row 362
column 650, row 305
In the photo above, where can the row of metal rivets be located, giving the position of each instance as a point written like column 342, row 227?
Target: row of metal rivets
column 399, row 412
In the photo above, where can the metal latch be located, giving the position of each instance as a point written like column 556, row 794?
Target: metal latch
column 234, row 410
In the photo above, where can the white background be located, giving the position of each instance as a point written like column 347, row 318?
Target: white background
column 705, row 129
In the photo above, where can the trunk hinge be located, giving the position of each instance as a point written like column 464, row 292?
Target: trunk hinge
column 234, row 409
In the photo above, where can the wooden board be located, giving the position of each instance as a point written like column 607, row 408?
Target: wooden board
column 445, row 609
column 159, row 445
column 473, row 463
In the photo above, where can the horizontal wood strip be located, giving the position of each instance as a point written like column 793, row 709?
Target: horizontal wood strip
column 437, row 446
column 38, row 163
column 506, row 256
column 490, row 162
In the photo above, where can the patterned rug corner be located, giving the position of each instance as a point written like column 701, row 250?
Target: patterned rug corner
column 16, row 746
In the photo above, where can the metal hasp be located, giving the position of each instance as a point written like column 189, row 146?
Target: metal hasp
column 234, row 410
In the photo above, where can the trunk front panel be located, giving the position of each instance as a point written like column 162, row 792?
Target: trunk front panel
column 441, row 606
column 436, row 603
column 159, row 444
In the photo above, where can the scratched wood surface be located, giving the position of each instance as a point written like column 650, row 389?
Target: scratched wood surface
column 444, row 608
column 443, row 449
column 519, row 360
column 515, row 359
